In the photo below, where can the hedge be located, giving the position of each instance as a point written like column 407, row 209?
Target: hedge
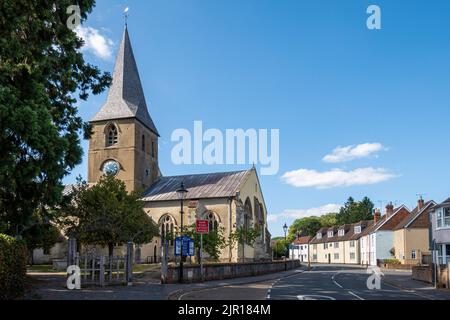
column 13, row 267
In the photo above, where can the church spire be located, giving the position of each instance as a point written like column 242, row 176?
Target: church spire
column 126, row 97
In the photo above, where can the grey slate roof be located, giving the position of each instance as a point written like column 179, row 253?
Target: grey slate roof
column 207, row 185
column 126, row 97
column 446, row 203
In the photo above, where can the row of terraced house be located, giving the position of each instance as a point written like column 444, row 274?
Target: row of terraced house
column 408, row 237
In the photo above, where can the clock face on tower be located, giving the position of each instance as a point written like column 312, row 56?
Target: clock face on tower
column 111, row 167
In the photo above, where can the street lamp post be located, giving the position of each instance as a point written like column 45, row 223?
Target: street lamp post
column 181, row 192
column 285, row 227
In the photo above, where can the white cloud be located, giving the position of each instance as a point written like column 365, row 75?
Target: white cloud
column 348, row 153
column 304, row 178
column 96, row 43
column 303, row 213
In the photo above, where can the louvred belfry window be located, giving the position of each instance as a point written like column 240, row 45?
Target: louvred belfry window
column 112, row 135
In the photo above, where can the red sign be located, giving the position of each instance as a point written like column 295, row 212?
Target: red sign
column 202, row 226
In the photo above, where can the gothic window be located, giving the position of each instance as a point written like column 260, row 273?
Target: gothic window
column 143, row 143
column 153, row 149
column 247, row 215
column 212, row 221
column 167, row 228
column 112, row 135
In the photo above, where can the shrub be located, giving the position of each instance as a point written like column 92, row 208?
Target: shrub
column 13, row 267
column 391, row 261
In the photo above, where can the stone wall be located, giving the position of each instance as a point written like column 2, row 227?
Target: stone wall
column 219, row 271
column 426, row 274
column 423, row 273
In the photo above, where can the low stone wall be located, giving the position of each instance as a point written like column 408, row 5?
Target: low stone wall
column 393, row 266
column 219, row 271
column 423, row 273
column 426, row 274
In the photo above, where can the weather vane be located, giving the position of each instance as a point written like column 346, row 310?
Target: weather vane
column 125, row 14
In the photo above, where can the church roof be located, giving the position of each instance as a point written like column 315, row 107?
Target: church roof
column 126, row 97
column 199, row 186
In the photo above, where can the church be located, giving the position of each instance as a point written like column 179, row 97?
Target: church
column 124, row 143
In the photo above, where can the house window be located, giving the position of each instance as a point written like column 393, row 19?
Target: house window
column 352, row 256
column 341, row 233
column 325, row 245
column 358, row 229
column 112, row 135
column 443, row 218
column 319, row 235
column 413, row 254
column 314, row 246
column 443, row 253
column 352, row 244
column 336, row 256
column 314, row 257
column 336, row 245
column 330, row 234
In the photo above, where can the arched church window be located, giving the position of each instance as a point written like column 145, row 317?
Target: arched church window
column 247, row 215
column 212, row 221
column 167, row 228
column 112, row 135
column 143, row 143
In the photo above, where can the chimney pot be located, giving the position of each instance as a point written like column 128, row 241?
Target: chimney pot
column 389, row 209
column 377, row 215
column 420, row 203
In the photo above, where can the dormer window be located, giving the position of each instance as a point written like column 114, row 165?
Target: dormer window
column 319, row 235
column 112, row 135
column 358, row 229
column 330, row 234
column 341, row 233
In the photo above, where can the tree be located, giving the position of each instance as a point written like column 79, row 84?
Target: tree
column 354, row 211
column 280, row 248
column 41, row 235
column 213, row 242
column 105, row 214
column 243, row 236
column 41, row 71
column 306, row 226
column 328, row 220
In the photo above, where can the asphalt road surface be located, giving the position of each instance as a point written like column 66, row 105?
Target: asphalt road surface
column 323, row 282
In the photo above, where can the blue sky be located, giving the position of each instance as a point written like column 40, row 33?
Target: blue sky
column 311, row 69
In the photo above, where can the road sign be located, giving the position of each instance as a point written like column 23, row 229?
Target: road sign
column 202, row 226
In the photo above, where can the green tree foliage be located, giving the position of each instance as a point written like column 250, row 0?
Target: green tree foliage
column 310, row 225
column 42, row 78
column 13, row 263
column 354, row 211
column 280, row 248
column 243, row 236
column 213, row 242
column 105, row 214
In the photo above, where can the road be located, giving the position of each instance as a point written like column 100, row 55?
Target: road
column 323, row 282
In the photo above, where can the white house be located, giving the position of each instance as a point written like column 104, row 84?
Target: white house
column 299, row 249
column 377, row 241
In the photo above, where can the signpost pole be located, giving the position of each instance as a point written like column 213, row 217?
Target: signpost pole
column 201, row 256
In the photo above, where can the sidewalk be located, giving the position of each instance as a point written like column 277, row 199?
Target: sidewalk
column 53, row 287
column 403, row 280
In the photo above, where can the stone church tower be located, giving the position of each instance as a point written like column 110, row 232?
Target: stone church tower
column 124, row 140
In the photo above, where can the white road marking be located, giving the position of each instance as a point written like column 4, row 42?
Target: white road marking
column 315, row 297
column 355, row 295
column 335, row 282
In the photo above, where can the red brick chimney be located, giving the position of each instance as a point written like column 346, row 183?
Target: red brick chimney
column 420, row 203
column 377, row 216
column 389, row 209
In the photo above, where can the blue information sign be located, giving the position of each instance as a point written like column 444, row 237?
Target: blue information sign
column 184, row 245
